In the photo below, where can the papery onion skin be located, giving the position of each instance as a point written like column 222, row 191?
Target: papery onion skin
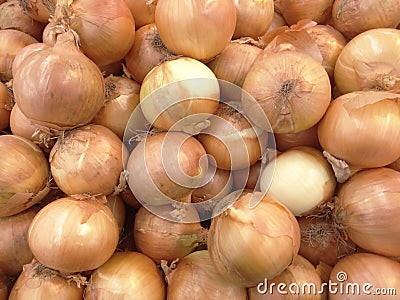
column 370, row 61
column 142, row 11
column 65, row 234
column 24, row 173
column 367, row 208
column 277, row 21
column 362, row 128
column 196, row 277
column 242, row 242
column 128, row 275
column 5, row 106
column 365, row 268
column 209, row 24
column 88, row 159
column 39, row 10
column 292, row 89
column 308, row 137
column 24, row 52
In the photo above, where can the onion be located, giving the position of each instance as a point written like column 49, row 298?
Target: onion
column 277, row 21
column 38, row 10
column 5, row 106
column 195, row 277
column 365, row 276
column 253, row 17
column 130, row 199
column 11, row 41
column 115, row 68
column 179, row 94
column 65, row 234
column 37, row 282
column 4, row 290
column 208, row 24
column 295, row 10
column 370, row 61
column 248, row 177
column 147, row 52
column 362, row 128
column 24, row 52
column 292, row 89
column 12, row 16
column 88, row 159
column 367, row 208
column 308, row 137
column 14, row 247
column 142, row 11
column 122, row 97
column 234, row 62
column 242, row 241
column 166, row 166
column 49, row 99
column 231, row 139
column 24, row 174
column 291, row 283
column 117, row 207
column 126, row 275
column 161, row 239
column 356, row 16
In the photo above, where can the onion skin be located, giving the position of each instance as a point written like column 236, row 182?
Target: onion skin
column 209, row 24
column 24, row 52
column 367, row 207
column 127, row 275
column 361, row 268
column 142, row 11
column 5, row 106
column 277, row 21
column 38, row 10
column 88, row 223
column 308, row 137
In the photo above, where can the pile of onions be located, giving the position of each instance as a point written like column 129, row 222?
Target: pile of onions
column 11, row 42
column 39, row 10
column 127, row 275
column 370, row 61
column 117, row 207
column 253, row 17
column 122, row 97
column 195, row 276
column 196, row 28
column 38, row 282
column 369, row 272
column 290, row 283
column 248, row 178
column 24, row 173
column 12, row 16
column 142, row 11
column 147, row 52
column 354, row 17
column 57, row 94
column 308, row 137
column 300, row 178
column 180, row 94
column 362, row 128
column 291, row 88
column 65, row 234
column 88, row 159
column 161, row 239
column 367, row 208
column 243, row 241
column 5, row 106
column 14, row 248
column 166, row 166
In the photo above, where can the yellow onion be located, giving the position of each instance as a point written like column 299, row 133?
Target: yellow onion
column 299, row 281
column 57, row 94
column 179, row 94
column 248, row 177
column 11, row 41
column 122, row 97
column 362, row 128
column 292, row 89
column 12, row 16
column 302, row 180
column 365, row 276
column 234, row 62
column 117, row 207
column 142, row 11
column 308, row 137
column 367, row 208
column 73, row 234
column 24, row 52
column 126, row 275
column 166, row 166
column 195, row 277
column 147, row 52
column 253, row 17
column 200, row 29
column 243, row 241
column 130, row 199
column 161, row 239
column 277, row 21
column 88, row 159
column 38, row 282
column 352, row 17
column 38, row 10
column 5, row 106
column 14, row 246
column 370, row 61
column 24, row 173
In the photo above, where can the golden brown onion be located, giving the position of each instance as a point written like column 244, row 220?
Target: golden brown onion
column 308, row 137
column 24, row 52
column 142, row 11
